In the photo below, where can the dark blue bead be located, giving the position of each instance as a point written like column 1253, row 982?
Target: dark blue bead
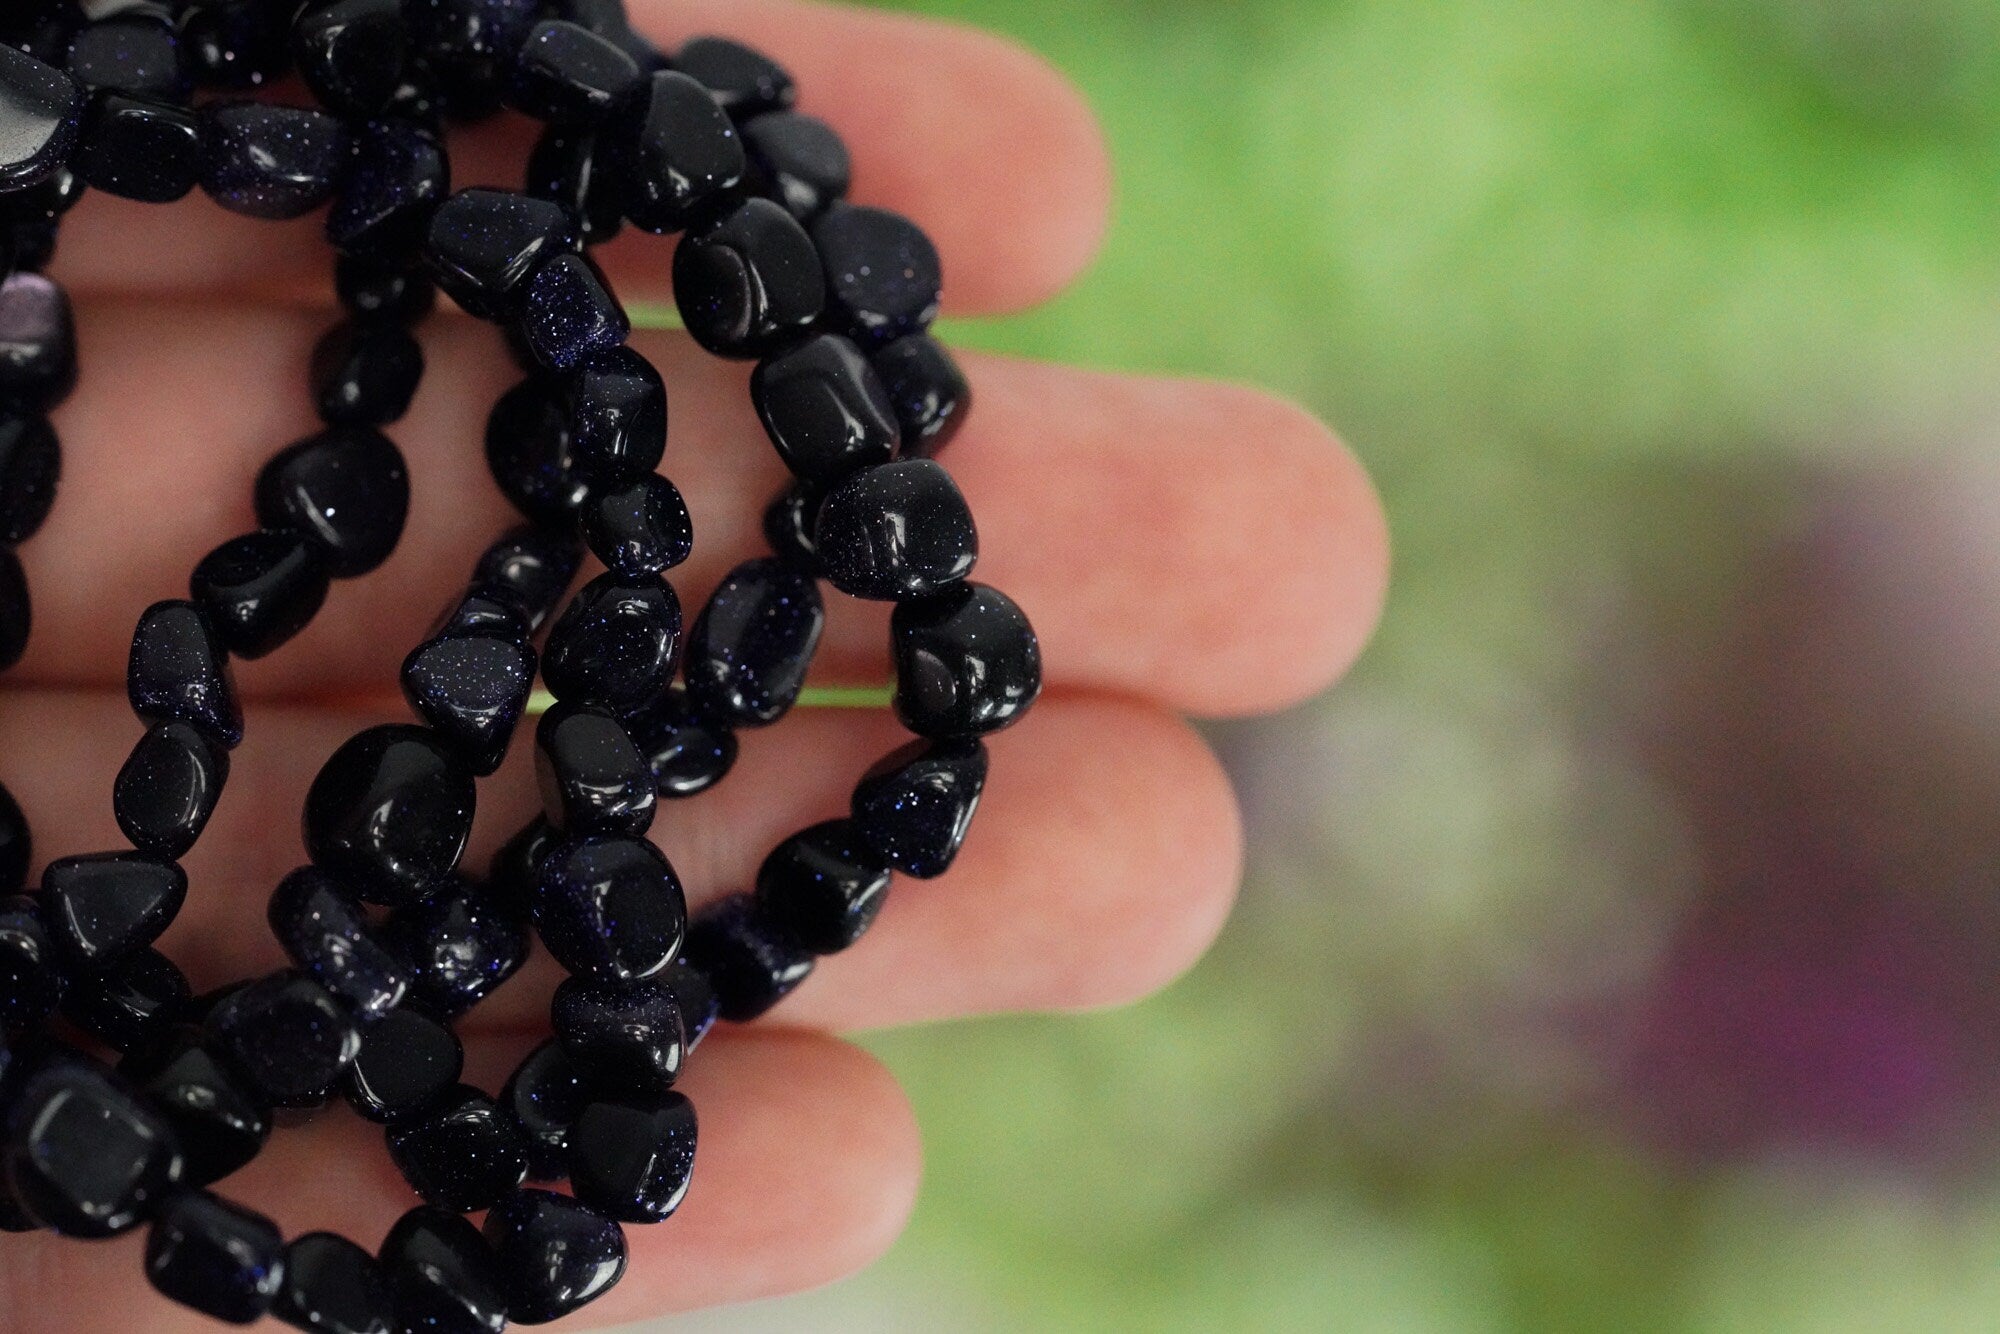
column 884, row 279
column 531, row 567
column 798, row 161
column 37, row 343
column 745, row 82
column 593, row 778
column 676, row 150
column 16, row 612
column 32, row 979
column 390, row 813
column 897, row 532
column 179, row 669
column 825, row 410
column 625, row 1037
column 233, row 43
column 17, row 844
column 261, row 589
column 333, row 1286
column 85, row 1156
column 445, row 1277
column 528, row 449
column 216, row 1258
column 478, row 615
column 323, row 929
column 913, row 808
column 168, row 788
column 270, row 161
column 41, row 113
column 108, row 906
column 615, row 644
column 399, row 176
column 569, row 167
column 695, row 995
column 618, row 410
column 462, row 944
column 373, row 289
column 570, row 314
column 557, row 1255
column 747, row 961
column 545, row 1095
column 688, row 754
column 365, row 374
column 407, row 1063
column 608, row 19
column 347, row 489
column 748, row 280
column 749, row 650
column 288, row 1036
column 351, row 53
column 134, row 52
column 930, row 392
column 219, row 1122
column 566, row 74
column 822, row 888
column 470, row 31
column 465, row 1154
column 789, row 521
column 483, row 246
column 473, row 691
column 124, row 1006
column 967, row 662
column 633, row 1163
column 30, row 468
column 140, row 149
column 639, row 530
column 610, row 907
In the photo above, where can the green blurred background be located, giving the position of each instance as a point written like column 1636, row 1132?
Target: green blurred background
column 1616, row 951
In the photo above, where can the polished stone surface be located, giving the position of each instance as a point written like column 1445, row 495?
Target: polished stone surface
column 633, row 1161
column 259, row 590
column 789, row 521
column 482, row 246
column 136, row 51
column 822, row 887
column 390, row 813
column 32, row 976
column 365, row 374
column 17, row 844
column 967, row 662
column 473, row 690
column 618, row 411
column 799, row 161
column 106, row 906
column 675, row 151
column 216, row 1258
column 568, row 75
column 445, row 1278
column 348, row 488
column 557, row 1255
column 610, row 907
column 84, row 1155
column 570, row 315
column 269, row 161
column 139, row 148
column 825, row 409
column 380, row 289
column 333, row 1286
column 37, row 343
column 640, row 529
column 896, row 532
column 400, row 174
column 464, row 1154
column 168, row 788
column 570, row 166
column 533, row 568
column 747, row 961
column 750, row 648
column 30, row 469
column 407, row 1063
column 16, row 609
column 748, row 280
column 326, row 933
column 351, row 53
column 884, row 277
column 463, row 943
column 218, row 1119
column 529, row 441
column 930, row 393
column 594, row 779
column 41, row 112
column 626, row 1037
column 545, row 1095
column 288, row 1035
column 914, row 808
column 688, row 754
column 179, row 668
column 124, row 1005
column 745, row 81
column 615, row 644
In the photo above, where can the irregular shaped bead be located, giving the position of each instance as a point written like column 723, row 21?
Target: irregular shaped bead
column 389, row 813
column 288, row 1036
column 140, row 149
column 568, row 75
column 365, row 374
column 444, row 1275
column 545, row 1095
column 676, row 150
column 639, row 530
column 233, row 43
column 688, row 755
column 484, row 245
column 216, row 1258
column 799, row 161
column 746, row 960
column 884, row 279
column 270, row 161
column 469, row 31
column 610, row 907
column 749, row 649
column 382, row 289
column 17, row 845
column 462, row 945
column 914, row 807
column 822, row 888
column 407, row 1063
column 929, row 391
column 625, row 1037
column 30, row 468
column 528, row 448
column 107, row 906
column 351, row 53
column 748, row 280
column 168, row 788
column 323, row 930
column 134, row 52
column 347, row 488
column 568, row 167
column 84, row 1156
column 218, row 1120
column 16, row 612
column 333, row 1286
column 618, row 412
column 593, row 778
column 473, row 691
column 37, row 343
column 570, row 315
column 556, row 1255
column 633, row 1163
column 479, row 615
column 399, row 176
column 261, row 589
column 695, row 995
column 896, row 532
column 41, row 113
column 789, row 521
column 607, row 18
column 615, row 644
column 465, row 1154
column 531, row 567
column 31, row 975
column 178, row 669
column 123, row 1006
column 824, row 409
column 967, row 662
column 745, row 82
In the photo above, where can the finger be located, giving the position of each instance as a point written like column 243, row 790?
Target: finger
column 1104, row 858
column 1196, row 543
column 979, row 141
column 806, row 1169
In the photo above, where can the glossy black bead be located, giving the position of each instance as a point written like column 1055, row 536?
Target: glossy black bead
column 389, row 813
column 37, row 343
column 789, row 521
column 140, row 149
column 748, row 280
column 407, row 1063
column 618, row 412
column 180, row 669
column 556, row 1255
column 351, row 53
column 464, row 1154
column 107, row 906
column 967, row 662
column 798, row 161
column 822, row 887
column 124, row 1005
column 688, row 754
column 749, row 650
column 484, row 245
column 675, row 150
column 824, row 409
column 32, row 975
column 326, row 934
column 639, row 530
column 419, row 98
column 746, row 82
column 615, row 644
column 270, row 161
column 398, row 177
column 16, row 612
column 913, row 809
column 897, row 532
column 462, row 944
column 288, row 1035
column 625, row 1037
column 545, row 1095
column 473, row 690
column 610, row 907
column 568, row 167
column 594, row 780
column 750, row 964
column 445, row 1277
column 930, row 392
column 633, row 1162
column 135, row 52
column 216, row 1258
column 382, row 289
column 218, row 1120
column 884, row 279
column 695, row 994
column 168, row 788
column 41, row 113
column 470, row 32
column 570, row 315
column 233, row 43
column 365, row 374
column 607, row 18
column 262, row 588
column 347, row 488
column 30, row 468
column 84, row 1156
column 333, row 1286
column 566, row 74
column 530, row 567
column 17, row 844
column 528, row 444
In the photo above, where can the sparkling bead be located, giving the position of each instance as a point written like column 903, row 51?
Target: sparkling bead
column 140, row 149
column 398, row 178
column 822, row 888
column 610, row 907
column 556, row 1255
column 470, row 30
column 593, row 778
column 745, row 959
column 748, row 280
column 883, row 274
column 789, row 521
column 569, row 75
column 967, row 662
column 568, row 168
column 380, row 289
column 445, row 1277
column 216, row 1258
column 749, row 649
column 261, row 589
column 233, row 43
column 218, row 1121
column 695, row 995
column 824, row 409
column 531, row 567
column 333, row 1286
column 633, row 1162
column 365, row 374
column 930, row 392
column 465, row 1154
column 896, row 532
column 676, row 150
column 545, row 1095
column 479, row 615
column 16, row 612
column 913, row 808
column 615, row 644
column 623, row 1036
column 178, row 669
column 323, row 930
column 31, row 975
column 351, row 53
column 390, row 813
column 84, row 1156
column 607, row 18
column 570, row 314
column 639, row 530
column 347, row 488
column 168, row 788
column 528, row 448
column 37, row 343
column 484, row 245
column 797, row 161
column 30, row 468
column 41, row 112
column 270, row 161
column 618, row 409
column 473, row 691
column 123, row 1006
column 462, row 945
column 688, row 755
column 134, row 52
column 288, row 1036
column 408, row 1062
column 107, row 906
column 745, row 82
column 17, row 845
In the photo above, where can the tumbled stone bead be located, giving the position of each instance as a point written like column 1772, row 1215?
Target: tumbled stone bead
column 216, row 1258
column 268, row 161
column 470, row 30
column 179, row 669
column 382, row 289
column 37, row 343
column 41, row 113
column 566, row 74
column 929, row 391
column 464, row 1154
column 333, row 1286
column 17, row 844
column 32, row 979
column 695, row 995
column 16, row 612
column 798, row 161
column 570, row 315
column 568, row 167
column 528, row 449
column 610, row 907
column 261, row 589
column 822, row 888
column 347, row 488
column 418, row 98
column 107, row 906
column 967, row 662
column 789, row 521
column 288, row 1036
column 676, row 150
column 218, row 1120
column 532, row 567
column 593, row 778
column 484, row 245
column 365, row 374
column 136, row 52
column 896, row 532
column 461, row 943
column 746, row 960
column 748, row 280
column 477, row 615
column 399, row 176
column 608, row 19
column 473, row 690
column 749, row 650
column 140, row 149
column 914, row 807
column 633, row 1162
column 824, row 409
column 745, row 82
column 688, row 754
column 389, row 813
column 123, row 1006
column 624, row 1036
column 30, row 468
column 615, row 644
column 556, row 1255
column 618, row 413
column 408, row 1061
column 84, row 1155
column 445, row 1277
column 233, row 43
column 639, row 530
column 351, row 53
column 324, row 931
column 884, row 279
column 545, row 1095
column 168, row 788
